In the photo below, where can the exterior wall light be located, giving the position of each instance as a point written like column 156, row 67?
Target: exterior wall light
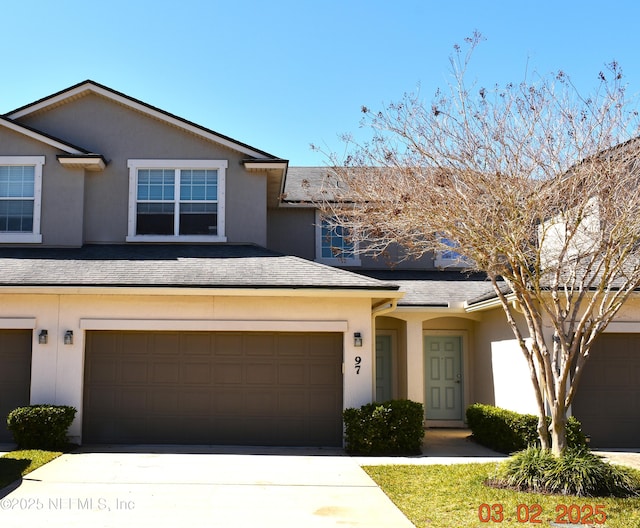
column 357, row 339
column 68, row 337
column 43, row 337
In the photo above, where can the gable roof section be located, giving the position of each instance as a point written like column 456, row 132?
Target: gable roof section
column 174, row 266
column 32, row 133
column 88, row 86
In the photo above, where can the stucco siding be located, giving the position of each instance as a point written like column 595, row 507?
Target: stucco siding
column 292, row 231
column 61, row 218
column 119, row 134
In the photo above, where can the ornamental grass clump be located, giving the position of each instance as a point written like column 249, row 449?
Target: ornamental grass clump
column 576, row 472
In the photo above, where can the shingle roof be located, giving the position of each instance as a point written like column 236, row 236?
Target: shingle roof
column 436, row 288
column 308, row 184
column 199, row 266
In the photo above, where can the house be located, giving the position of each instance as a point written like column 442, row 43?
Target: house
column 176, row 285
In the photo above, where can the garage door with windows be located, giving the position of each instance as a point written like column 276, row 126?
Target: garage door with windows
column 225, row 388
column 608, row 399
column 15, row 375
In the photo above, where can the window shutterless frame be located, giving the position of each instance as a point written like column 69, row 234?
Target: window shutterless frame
column 176, row 200
column 20, row 199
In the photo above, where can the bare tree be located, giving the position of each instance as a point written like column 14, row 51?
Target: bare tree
column 538, row 187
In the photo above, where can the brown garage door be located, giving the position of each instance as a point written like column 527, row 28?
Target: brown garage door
column 213, row 388
column 15, row 374
column 608, row 398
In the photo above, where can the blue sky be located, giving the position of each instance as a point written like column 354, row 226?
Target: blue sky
column 282, row 74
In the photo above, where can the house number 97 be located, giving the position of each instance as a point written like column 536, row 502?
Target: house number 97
column 358, row 364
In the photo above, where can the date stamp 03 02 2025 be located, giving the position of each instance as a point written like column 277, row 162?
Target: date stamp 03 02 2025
column 530, row 513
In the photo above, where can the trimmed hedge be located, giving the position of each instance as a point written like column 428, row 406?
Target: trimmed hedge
column 508, row 431
column 390, row 428
column 41, row 426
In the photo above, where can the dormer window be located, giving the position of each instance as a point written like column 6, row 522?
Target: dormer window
column 20, row 199
column 176, row 200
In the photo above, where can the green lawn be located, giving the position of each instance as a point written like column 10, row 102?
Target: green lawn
column 454, row 496
column 18, row 463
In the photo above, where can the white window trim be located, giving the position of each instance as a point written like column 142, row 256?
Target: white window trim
column 354, row 261
column 136, row 164
column 36, row 236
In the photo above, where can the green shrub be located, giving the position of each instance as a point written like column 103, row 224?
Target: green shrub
column 390, row 428
column 576, row 472
column 41, row 426
column 508, row 431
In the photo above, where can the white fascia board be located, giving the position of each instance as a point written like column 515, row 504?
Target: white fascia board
column 18, row 323
column 265, row 165
column 40, row 137
column 208, row 292
column 215, row 325
column 143, row 108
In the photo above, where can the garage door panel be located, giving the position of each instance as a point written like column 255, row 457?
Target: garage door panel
column 227, row 373
column 292, row 374
column 166, row 401
column 165, row 372
column 323, row 374
column 293, row 403
column 259, row 403
column 260, row 373
column 225, row 388
column 134, row 343
column 608, row 398
column 197, row 373
column 162, row 345
column 15, row 374
column 131, row 372
column 194, row 403
column 228, row 344
column 260, row 345
column 196, row 343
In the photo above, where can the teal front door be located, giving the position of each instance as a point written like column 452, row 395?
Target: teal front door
column 383, row 368
column 443, row 377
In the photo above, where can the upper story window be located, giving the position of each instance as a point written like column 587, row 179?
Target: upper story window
column 20, row 198
column 173, row 200
column 334, row 244
column 450, row 257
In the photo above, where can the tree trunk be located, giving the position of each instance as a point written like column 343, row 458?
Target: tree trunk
column 558, row 430
column 543, row 432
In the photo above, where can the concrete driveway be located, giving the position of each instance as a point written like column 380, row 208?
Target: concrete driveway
column 235, row 489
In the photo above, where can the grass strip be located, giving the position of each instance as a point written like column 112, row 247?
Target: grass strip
column 444, row 496
column 16, row 464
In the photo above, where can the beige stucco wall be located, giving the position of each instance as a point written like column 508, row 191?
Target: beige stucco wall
column 57, row 369
column 501, row 374
column 120, row 133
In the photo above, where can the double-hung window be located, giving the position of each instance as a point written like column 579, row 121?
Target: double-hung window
column 334, row 243
column 176, row 200
column 20, row 198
